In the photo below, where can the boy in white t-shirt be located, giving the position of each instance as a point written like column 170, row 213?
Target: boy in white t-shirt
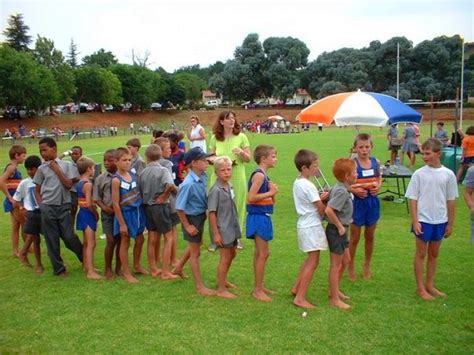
column 310, row 209
column 432, row 191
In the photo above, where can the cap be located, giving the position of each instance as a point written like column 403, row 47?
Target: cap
column 194, row 154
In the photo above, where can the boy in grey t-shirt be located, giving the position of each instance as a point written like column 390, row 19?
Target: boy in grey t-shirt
column 339, row 213
column 54, row 179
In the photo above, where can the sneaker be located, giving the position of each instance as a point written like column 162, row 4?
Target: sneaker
column 240, row 246
column 212, row 247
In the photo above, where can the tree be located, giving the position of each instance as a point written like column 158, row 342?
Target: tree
column 72, row 55
column 192, row 84
column 17, row 33
column 140, row 59
column 95, row 84
column 101, row 58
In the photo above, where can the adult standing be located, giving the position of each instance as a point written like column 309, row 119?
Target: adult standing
column 410, row 147
column 197, row 135
column 227, row 139
column 394, row 143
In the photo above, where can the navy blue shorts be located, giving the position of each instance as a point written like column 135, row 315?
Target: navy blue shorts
column 467, row 160
column 431, row 232
column 259, row 225
column 366, row 211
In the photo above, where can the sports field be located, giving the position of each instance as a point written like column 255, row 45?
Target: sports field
column 73, row 315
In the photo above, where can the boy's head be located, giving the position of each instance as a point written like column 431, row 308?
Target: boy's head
column 223, row 168
column 109, row 161
column 196, row 159
column 440, row 125
column 32, row 164
column 174, row 140
column 123, row 158
column 363, row 145
column 165, row 146
column 133, row 146
column 344, row 170
column 76, row 153
column 153, row 153
column 431, row 152
column 263, row 151
column 470, row 131
column 85, row 163
column 17, row 152
column 48, row 148
column 305, row 158
column 180, row 136
column 157, row 133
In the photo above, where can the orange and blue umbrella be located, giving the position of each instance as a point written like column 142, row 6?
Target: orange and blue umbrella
column 359, row 108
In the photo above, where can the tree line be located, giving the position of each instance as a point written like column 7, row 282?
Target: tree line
column 40, row 76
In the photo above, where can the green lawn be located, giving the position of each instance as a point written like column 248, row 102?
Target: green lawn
column 48, row 314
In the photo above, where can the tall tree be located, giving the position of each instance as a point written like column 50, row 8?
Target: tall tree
column 72, row 54
column 101, row 58
column 95, row 84
column 17, row 33
column 46, row 54
column 192, row 84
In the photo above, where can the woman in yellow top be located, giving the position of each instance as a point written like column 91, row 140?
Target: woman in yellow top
column 230, row 141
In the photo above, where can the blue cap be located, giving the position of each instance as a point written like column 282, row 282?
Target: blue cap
column 194, row 154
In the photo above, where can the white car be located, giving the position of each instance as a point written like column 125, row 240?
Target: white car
column 155, row 106
column 212, row 103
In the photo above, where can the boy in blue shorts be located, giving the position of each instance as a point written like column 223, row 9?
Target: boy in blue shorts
column 129, row 219
column 191, row 204
column 432, row 192
column 260, row 200
column 25, row 195
column 366, row 203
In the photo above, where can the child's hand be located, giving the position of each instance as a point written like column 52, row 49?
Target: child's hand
column 161, row 199
column 449, row 230
column 417, row 228
column 191, row 230
column 54, row 166
column 375, row 189
column 218, row 240
column 273, row 188
column 324, row 196
column 360, row 192
column 108, row 210
column 123, row 230
column 341, row 230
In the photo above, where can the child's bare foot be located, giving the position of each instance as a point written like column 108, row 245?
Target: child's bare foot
column 229, row 284
column 39, row 269
column 204, row 291
column 303, row 304
column 339, row 304
column 109, row 275
column 140, row 270
column 225, row 294
column 268, row 291
column 168, row 276
column 130, row 279
column 294, row 291
column 367, row 273
column 62, row 274
column 343, row 296
column 261, row 296
column 24, row 260
column 93, row 276
column 174, row 263
column 435, row 292
column 16, row 254
column 351, row 274
column 155, row 273
column 180, row 273
column 425, row 295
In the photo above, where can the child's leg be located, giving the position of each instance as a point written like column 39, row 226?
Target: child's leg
column 334, row 277
column 226, row 256
column 137, row 253
column 157, row 249
column 15, row 221
column 166, row 273
column 23, row 255
column 178, row 269
column 195, row 252
column 294, row 289
column 151, row 249
column 369, row 235
column 412, row 159
column 261, row 255
column 346, row 258
column 421, row 248
column 305, row 277
column 353, row 242
column 233, row 252
column 70, row 239
column 460, row 171
column 89, row 242
column 124, row 244
column 174, row 233
column 37, row 250
column 109, row 254
column 118, row 263
column 433, row 252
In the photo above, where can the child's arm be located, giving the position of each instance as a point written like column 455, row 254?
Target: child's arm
column 9, row 171
column 54, row 166
column 320, row 207
column 161, row 198
column 116, row 206
column 89, row 202
column 331, row 215
column 469, row 198
column 106, row 209
column 375, row 189
column 190, row 228
column 451, row 209
column 414, row 217
column 215, row 231
column 257, row 181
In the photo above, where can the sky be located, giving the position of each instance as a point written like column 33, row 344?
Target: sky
column 180, row 33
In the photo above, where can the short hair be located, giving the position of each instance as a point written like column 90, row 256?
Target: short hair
column 433, row 144
column 83, row 163
column 110, row 152
column 305, row 157
column 362, row 137
column 16, row 149
column 180, row 136
column 470, row 130
column 440, row 124
column 173, row 137
column 77, row 147
column 153, row 152
column 134, row 142
column 50, row 142
column 161, row 141
column 194, row 117
column 343, row 167
column 157, row 133
column 262, row 151
column 120, row 152
column 219, row 161
column 33, row 161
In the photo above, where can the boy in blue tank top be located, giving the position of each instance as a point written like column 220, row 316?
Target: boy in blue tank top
column 366, row 203
column 260, row 200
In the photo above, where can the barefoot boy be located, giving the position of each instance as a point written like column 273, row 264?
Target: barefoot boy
column 432, row 192
column 191, row 204
column 260, row 200
column 156, row 185
column 339, row 214
column 25, row 195
column 310, row 209
column 224, row 222
column 102, row 195
column 129, row 219
column 9, row 181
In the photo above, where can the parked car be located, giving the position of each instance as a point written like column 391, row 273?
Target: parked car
column 212, row 103
column 155, row 106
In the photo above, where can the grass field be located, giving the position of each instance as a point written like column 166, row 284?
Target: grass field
column 48, row 314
